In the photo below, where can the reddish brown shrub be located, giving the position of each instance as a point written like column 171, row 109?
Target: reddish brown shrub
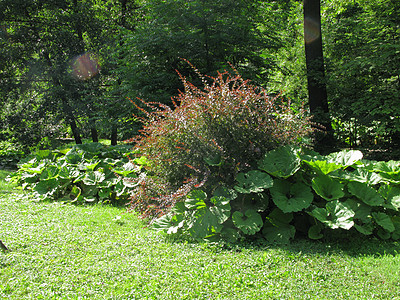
column 209, row 136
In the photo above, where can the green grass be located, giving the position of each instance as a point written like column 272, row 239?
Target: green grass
column 99, row 252
column 5, row 187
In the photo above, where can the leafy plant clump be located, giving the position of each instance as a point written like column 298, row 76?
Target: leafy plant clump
column 209, row 137
column 84, row 173
column 296, row 191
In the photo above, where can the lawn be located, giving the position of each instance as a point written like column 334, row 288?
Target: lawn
column 63, row 251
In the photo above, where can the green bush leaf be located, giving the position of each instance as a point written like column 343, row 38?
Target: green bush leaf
column 366, row 193
column 365, row 228
column 73, row 157
column 93, row 178
column 327, row 188
column 392, row 196
column 390, row 167
column 361, row 210
column 335, row 215
column 257, row 201
column 49, row 172
column 229, row 194
column 345, row 158
column 384, row 221
column 169, row 223
column 46, row 186
column 253, row 182
column 67, row 172
column 278, row 218
column 196, row 200
column 314, row 232
column 279, row 235
column 322, row 166
column 360, row 175
column 249, row 223
column 282, row 162
column 396, row 223
column 291, row 197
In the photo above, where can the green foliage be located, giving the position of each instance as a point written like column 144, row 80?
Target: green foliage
column 362, row 57
column 355, row 195
column 84, row 173
column 207, row 33
column 10, row 154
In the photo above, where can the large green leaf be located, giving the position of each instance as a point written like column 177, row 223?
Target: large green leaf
column 249, row 223
column 291, row 197
column 208, row 215
column 328, row 188
column 396, row 223
column 392, row 196
column 279, row 235
column 282, row 162
column 73, row 157
column 93, row 178
column 365, row 228
column 278, row 218
column 169, row 223
column 67, row 172
column 49, row 172
column 92, row 148
column 390, row 167
column 257, row 201
column 360, row 175
column 214, row 160
column 253, row 182
column 366, row 193
column 361, row 210
column 47, row 186
column 384, row 221
column 196, row 200
column 345, row 158
column 314, row 232
column 229, row 194
column 335, row 215
column 323, row 166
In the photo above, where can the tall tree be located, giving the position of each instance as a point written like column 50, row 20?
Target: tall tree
column 317, row 93
column 207, row 33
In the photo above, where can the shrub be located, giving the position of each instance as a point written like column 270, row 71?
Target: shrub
column 82, row 174
column 296, row 191
column 209, row 136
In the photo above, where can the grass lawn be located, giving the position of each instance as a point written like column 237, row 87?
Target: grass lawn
column 99, row 252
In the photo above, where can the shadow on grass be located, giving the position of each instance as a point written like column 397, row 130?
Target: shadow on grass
column 350, row 244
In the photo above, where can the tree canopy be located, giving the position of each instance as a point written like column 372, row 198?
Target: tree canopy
column 68, row 67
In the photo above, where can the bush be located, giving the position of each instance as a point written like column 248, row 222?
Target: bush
column 82, row 174
column 296, row 191
column 208, row 137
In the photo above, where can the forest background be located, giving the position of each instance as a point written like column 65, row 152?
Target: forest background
column 68, row 68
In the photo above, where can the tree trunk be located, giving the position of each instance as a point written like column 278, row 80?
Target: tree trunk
column 318, row 98
column 114, row 136
column 95, row 136
column 75, row 131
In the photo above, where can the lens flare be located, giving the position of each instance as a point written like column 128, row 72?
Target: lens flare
column 85, row 66
column 311, row 30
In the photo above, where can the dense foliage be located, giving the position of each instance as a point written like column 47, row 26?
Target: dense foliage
column 85, row 173
column 295, row 191
column 210, row 135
